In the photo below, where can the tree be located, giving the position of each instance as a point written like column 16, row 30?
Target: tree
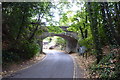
column 18, row 28
column 94, row 28
column 42, row 10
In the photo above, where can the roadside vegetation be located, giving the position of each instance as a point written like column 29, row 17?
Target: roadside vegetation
column 96, row 23
column 55, row 42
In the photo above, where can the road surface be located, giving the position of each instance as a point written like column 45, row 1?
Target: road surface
column 55, row 65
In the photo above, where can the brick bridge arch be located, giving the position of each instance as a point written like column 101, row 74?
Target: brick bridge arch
column 70, row 37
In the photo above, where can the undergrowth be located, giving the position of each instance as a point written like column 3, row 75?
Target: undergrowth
column 108, row 68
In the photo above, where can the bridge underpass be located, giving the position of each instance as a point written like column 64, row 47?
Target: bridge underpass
column 70, row 37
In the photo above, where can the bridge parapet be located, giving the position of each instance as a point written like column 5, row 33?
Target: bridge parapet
column 71, row 34
column 67, row 34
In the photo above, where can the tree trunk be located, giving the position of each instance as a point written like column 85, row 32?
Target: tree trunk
column 20, row 29
column 39, row 20
column 117, row 16
column 36, row 28
column 117, row 22
column 94, row 29
column 105, row 25
column 110, row 25
column 81, row 32
column 31, row 37
column 86, row 31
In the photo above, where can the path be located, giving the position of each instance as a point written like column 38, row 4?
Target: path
column 55, row 65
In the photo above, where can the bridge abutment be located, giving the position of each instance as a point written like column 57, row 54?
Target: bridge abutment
column 71, row 46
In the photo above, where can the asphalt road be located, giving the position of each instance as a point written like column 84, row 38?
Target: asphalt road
column 55, row 65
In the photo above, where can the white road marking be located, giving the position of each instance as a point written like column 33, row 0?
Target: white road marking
column 74, row 74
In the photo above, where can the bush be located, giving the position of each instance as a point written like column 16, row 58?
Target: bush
column 87, row 42
column 29, row 50
column 9, row 56
column 20, row 52
column 108, row 68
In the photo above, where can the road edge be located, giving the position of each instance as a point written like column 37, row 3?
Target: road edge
column 39, row 61
column 74, row 62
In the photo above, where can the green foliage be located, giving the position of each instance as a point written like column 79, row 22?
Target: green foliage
column 22, row 52
column 101, row 21
column 97, row 25
column 64, row 19
column 107, row 68
column 20, row 28
column 29, row 50
column 88, row 42
column 10, row 56
column 55, row 29
column 61, row 42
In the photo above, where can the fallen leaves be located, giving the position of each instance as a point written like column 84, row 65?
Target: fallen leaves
column 84, row 63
